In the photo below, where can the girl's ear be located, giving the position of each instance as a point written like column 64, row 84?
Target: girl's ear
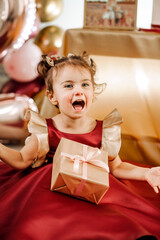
column 51, row 97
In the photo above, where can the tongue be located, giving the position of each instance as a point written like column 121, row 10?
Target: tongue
column 77, row 107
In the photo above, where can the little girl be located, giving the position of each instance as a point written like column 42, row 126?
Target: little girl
column 24, row 194
column 109, row 15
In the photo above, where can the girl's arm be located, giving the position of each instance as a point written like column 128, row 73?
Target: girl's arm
column 129, row 171
column 23, row 158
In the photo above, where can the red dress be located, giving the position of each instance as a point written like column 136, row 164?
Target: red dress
column 30, row 211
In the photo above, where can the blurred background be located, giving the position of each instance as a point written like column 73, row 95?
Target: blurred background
column 44, row 23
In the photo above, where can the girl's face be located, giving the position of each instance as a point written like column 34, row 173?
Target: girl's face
column 73, row 91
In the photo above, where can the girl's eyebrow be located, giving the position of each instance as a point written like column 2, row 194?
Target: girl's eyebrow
column 87, row 80
column 71, row 81
column 67, row 81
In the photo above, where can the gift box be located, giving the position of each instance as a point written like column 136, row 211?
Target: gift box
column 80, row 171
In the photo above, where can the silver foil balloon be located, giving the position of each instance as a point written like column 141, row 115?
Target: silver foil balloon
column 17, row 19
column 12, row 111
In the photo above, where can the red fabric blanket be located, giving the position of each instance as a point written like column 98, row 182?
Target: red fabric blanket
column 29, row 210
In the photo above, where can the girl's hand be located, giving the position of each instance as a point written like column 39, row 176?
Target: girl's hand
column 152, row 176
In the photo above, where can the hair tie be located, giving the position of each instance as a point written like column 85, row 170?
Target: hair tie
column 70, row 55
column 87, row 58
column 50, row 61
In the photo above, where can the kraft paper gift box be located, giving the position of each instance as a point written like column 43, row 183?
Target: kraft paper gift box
column 80, row 171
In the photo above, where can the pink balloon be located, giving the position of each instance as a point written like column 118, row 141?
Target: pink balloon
column 21, row 65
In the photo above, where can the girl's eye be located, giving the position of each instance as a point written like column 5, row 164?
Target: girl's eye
column 68, row 86
column 85, row 85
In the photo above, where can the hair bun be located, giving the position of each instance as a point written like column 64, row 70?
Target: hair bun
column 44, row 65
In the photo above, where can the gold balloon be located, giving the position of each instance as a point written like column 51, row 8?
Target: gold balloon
column 49, row 39
column 49, row 10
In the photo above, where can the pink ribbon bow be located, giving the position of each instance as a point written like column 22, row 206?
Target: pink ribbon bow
column 88, row 157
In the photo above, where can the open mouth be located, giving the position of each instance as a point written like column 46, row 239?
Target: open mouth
column 78, row 105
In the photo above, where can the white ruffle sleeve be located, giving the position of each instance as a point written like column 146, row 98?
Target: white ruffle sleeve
column 37, row 125
column 111, row 136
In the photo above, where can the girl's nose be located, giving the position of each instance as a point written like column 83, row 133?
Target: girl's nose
column 78, row 91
